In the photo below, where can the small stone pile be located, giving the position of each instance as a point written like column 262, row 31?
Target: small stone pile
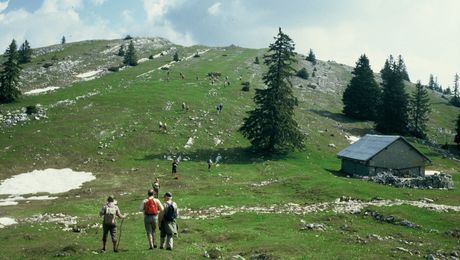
column 19, row 116
column 437, row 181
column 391, row 219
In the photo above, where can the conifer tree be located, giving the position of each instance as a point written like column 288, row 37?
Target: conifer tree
column 362, row 95
column 63, row 40
column 121, row 51
column 455, row 100
column 176, row 57
column 457, row 129
column 130, row 55
column 270, row 127
column 419, row 110
column 25, row 53
column 9, row 76
column 392, row 115
column 401, row 67
column 431, row 83
column 256, row 60
column 302, row 73
column 311, row 57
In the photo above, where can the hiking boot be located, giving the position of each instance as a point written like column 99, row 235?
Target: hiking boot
column 161, row 247
column 170, row 249
column 154, row 246
column 102, row 250
column 115, row 250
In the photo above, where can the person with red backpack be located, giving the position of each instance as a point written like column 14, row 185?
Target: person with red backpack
column 151, row 208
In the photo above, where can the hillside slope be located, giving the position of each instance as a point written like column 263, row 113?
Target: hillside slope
column 109, row 126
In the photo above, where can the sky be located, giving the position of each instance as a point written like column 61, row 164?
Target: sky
column 425, row 32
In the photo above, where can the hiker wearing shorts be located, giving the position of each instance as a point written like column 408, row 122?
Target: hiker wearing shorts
column 151, row 207
column 168, row 225
column 109, row 211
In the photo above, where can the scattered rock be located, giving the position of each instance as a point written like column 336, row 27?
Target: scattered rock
column 215, row 253
column 437, row 181
column 312, row 226
column 454, row 233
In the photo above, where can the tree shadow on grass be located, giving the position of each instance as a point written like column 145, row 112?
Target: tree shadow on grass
column 339, row 117
column 233, row 155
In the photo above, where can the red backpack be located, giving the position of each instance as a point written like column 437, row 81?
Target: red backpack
column 150, row 207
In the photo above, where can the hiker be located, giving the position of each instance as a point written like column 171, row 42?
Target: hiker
column 161, row 125
column 218, row 109
column 184, row 106
column 156, row 187
column 168, row 225
column 151, row 207
column 174, row 167
column 209, row 164
column 182, row 75
column 109, row 211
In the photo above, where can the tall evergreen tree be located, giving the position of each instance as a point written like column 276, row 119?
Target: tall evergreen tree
column 392, row 115
column 121, row 51
column 311, row 57
column 25, row 53
column 63, row 40
column 431, row 83
column 9, row 76
column 401, row 67
column 455, row 100
column 419, row 111
column 130, row 55
column 176, row 56
column 362, row 95
column 270, row 127
column 457, row 129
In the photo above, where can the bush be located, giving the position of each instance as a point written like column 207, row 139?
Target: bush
column 256, row 61
column 114, row 68
column 151, row 57
column 302, row 73
column 128, row 37
column 214, row 74
column 246, row 86
column 47, row 65
column 196, row 55
column 31, row 109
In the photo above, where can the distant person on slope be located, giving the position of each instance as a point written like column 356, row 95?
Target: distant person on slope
column 209, row 164
column 168, row 225
column 151, row 207
column 156, row 187
column 109, row 211
column 174, row 167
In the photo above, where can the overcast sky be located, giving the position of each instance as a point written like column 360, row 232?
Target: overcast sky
column 425, row 32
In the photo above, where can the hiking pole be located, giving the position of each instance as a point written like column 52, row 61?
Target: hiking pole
column 119, row 236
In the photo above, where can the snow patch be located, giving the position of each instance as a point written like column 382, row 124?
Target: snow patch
column 189, row 143
column 142, row 60
column 49, row 181
column 5, row 221
column 352, row 138
column 88, row 75
column 40, row 90
column 431, row 172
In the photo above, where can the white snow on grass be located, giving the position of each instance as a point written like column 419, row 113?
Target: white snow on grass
column 431, row 172
column 142, row 60
column 189, row 143
column 48, row 181
column 40, row 90
column 89, row 74
column 352, row 138
column 5, row 221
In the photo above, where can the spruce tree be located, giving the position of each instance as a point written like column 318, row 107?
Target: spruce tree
column 362, row 95
column 130, row 55
column 431, row 83
column 401, row 67
column 176, row 57
column 63, row 40
column 9, row 76
column 270, row 127
column 302, row 73
column 419, row 110
column 392, row 115
column 311, row 57
column 25, row 53
column 256, row 60
column 121, row 51
column 455, row 100
column 457, row 129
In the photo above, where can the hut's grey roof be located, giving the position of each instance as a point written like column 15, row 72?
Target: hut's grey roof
column 370, row 145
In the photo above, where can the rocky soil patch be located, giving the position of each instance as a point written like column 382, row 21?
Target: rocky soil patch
column 435, row 181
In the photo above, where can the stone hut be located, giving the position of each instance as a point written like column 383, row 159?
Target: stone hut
column 372, row 154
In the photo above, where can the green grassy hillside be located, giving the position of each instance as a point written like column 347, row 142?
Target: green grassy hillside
column 114, row 134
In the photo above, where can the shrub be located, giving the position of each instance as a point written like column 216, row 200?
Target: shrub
column 47, row 65
column 128, row 37
column 151, row 57
column 246, row 86
column 302, row 73
column 31, row 110
column 214, row 74
column 196, row 55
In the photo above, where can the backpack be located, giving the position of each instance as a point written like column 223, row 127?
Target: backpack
column 170, row 213
column 150, row 207
column 109, row 215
